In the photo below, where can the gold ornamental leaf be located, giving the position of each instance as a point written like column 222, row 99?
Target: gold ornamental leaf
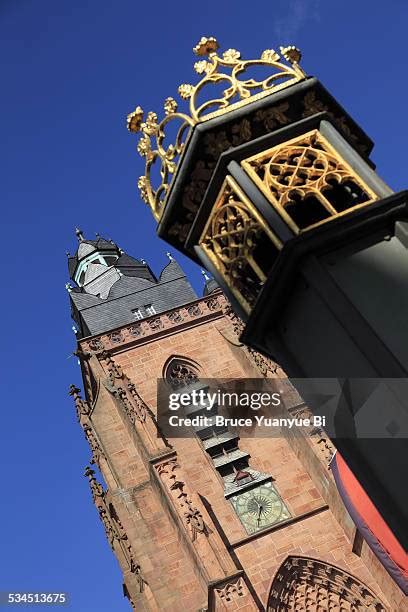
column 144, row 147
column 270, row 55
column 241, row 132
column 202, row 66
column 170, row 106
column 185, row 90
column 151, row 124
column 231, row 55
column 141, row 183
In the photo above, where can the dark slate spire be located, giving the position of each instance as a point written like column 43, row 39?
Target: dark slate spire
column 210, row 284
column 113, row 288
column 85, row 250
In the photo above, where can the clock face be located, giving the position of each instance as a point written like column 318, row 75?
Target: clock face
column 260, row 507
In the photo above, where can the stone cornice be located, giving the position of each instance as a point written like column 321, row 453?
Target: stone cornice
column 165, row 323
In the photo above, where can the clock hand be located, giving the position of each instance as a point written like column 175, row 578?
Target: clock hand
column 259, row 513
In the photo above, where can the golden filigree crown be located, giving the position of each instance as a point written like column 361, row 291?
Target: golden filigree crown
column 229, row 69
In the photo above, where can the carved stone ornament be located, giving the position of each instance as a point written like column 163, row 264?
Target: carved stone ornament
column 114, row 369
column 96, row 449
column 114, row 530
column 131, row 411
column 156, row 324
column 175, row 316
column 81, row 354
column 135, row 330
column 141, row 408
column 96, row 345
column 81, row 406
column 168, row 473
column 194, row 310
column 116, row 337
column 312, row 105
column 264, row 364
column 237, row 323
column 213, row 304
column 274, row 117
column 317, row 434
column 302, row 583
column 141, row 582
column 98, row 494
column 134, row 406
column 232, row 590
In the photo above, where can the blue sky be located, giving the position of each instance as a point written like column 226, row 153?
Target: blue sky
column 71, row 71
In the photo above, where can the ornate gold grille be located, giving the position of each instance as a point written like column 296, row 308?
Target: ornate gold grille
column 307, row 181
column 239, row 244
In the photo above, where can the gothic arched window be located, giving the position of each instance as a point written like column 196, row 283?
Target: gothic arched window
column 180, row 372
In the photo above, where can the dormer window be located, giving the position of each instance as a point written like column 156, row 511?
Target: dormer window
column 137, row 313
column 150, row 310
column 104, row 259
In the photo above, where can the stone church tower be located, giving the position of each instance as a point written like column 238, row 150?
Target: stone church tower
column 210, row 522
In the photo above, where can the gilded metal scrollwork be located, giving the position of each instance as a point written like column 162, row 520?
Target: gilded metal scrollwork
column 307, row 181
column 241, row 87
column 230, row 239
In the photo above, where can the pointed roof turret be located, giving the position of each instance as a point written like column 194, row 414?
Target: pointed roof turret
column 112, row 288
column 79, row 234
column 86, row 248
column 210, row 283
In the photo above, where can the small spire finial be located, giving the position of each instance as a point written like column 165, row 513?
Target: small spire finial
column 170, row 256
column 68, row 287
column 79, row 234
column 67, row 253
column 204, row 273
column 142, row 260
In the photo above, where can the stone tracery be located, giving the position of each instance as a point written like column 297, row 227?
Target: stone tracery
column 180, row 372
column 302, row 583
